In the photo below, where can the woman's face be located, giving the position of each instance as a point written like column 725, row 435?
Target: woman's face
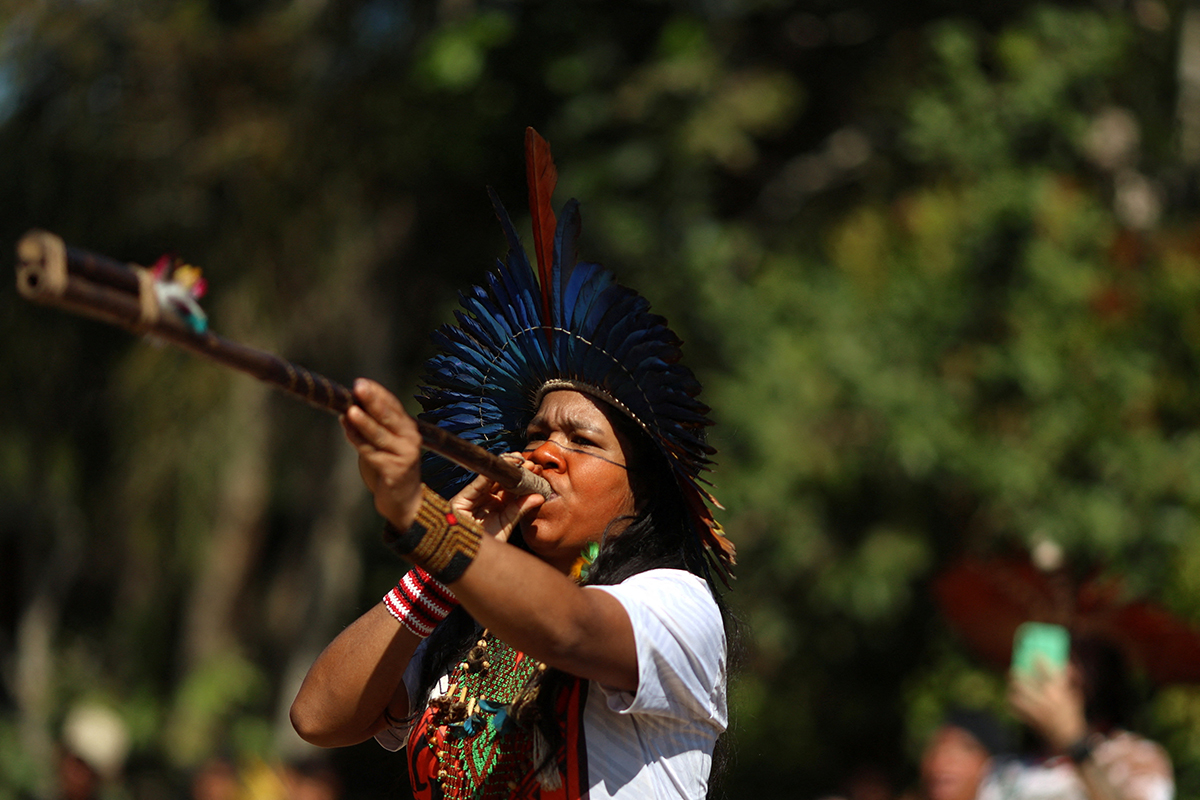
column 573, row 445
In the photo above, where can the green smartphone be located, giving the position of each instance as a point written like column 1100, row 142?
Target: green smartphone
column 1040, row 642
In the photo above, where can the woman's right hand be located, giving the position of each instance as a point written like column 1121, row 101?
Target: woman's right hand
column 495, row 509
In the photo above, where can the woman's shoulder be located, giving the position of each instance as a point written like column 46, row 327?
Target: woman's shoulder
column 667, row 574
column 668, row 591
column 669, row 579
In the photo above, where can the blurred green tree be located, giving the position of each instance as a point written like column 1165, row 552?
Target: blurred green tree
column 935, row 263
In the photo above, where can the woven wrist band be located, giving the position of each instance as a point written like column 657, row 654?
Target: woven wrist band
column 420, row 601
column 438, row 540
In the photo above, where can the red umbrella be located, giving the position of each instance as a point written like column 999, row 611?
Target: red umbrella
column 986, row 599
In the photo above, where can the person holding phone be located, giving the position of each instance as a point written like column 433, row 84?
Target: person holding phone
column 1073, row 697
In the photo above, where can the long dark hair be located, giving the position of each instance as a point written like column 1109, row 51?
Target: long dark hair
column 1109, row 695
column 657, row 536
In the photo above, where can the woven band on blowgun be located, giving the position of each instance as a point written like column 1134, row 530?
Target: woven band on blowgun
column 438, row 540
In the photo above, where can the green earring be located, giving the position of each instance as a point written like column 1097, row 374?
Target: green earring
column 584, row 563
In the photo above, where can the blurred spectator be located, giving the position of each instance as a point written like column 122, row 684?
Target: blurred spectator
column 92, row 752
column 1082, row 750
column 216, row 779
column 308, row 778
column 959, row 755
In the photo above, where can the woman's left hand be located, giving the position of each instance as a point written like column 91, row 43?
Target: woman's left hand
column 389, row 451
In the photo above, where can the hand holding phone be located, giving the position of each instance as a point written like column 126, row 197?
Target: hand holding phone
column 1041, row 691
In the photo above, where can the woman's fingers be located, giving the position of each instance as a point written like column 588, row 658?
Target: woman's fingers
column 474, row 493
column 383, row 406
column 511, row 509
column 483, row 501
column 495, row 509
column 381, row 420
column 389, row 448
column 352, row 434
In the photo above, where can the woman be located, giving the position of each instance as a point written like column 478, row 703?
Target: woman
column 578, row 644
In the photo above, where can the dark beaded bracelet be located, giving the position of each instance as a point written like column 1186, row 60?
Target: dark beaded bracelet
column 1081, row 750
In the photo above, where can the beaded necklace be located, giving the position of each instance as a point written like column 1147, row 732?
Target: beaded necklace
column 483, row 731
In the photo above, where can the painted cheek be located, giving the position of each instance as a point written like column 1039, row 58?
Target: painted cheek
column 592, row 492
column 617, row 492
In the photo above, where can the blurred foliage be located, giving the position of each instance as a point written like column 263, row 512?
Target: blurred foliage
column 937, row 265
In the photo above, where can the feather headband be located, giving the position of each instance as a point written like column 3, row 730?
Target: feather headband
column 567, row 326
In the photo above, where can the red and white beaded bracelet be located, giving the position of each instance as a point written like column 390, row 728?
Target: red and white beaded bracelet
column 420, row 602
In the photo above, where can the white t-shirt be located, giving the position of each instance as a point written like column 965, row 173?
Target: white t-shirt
column 657, row 742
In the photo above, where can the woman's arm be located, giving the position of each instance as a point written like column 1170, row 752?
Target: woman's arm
column 355, row 679
column 540, row 611
column 343, row 698
column 521, row 599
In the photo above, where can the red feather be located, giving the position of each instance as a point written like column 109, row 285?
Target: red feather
column 541, row 175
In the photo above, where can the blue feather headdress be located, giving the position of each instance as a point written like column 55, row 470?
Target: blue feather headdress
column 569, row 326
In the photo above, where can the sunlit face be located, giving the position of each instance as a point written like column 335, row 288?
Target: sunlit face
column 954, row 764
column 573, row 445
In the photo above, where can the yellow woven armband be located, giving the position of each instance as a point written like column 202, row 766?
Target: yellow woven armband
column 438, row 540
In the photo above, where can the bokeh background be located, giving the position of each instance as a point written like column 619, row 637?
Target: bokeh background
column 936, row 262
